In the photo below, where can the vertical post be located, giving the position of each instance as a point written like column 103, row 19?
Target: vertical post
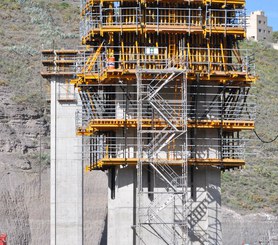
column 209, row 58
column 54, row 162
column 226, row 15
column 245, row 20
column 184, row 180
column 139, row 156
column 136, row 20
column 196, row 115
column 121, row 19
column 210, row 21
column 125, row 118
column 91, row 156
column 82, row 191
column 157, row 20
column 150, row 182
column 189, row 20
column 222, row 121
column 113, row 181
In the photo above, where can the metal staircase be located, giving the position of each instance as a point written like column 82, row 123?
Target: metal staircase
column 92, row 104
column 172, row 196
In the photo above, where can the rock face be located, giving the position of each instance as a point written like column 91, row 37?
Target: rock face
column 24, row 127
column 249, row 228
column 25, row 178
column 24, row 207
column 20, row 125
column 24, row 185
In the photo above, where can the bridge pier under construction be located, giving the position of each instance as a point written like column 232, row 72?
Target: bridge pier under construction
column 156, row 98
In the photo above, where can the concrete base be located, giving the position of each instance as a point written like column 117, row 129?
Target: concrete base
column 205, row 206
column 122, row 209
column 204, row 209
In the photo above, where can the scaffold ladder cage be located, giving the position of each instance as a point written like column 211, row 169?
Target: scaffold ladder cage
column 175, row 192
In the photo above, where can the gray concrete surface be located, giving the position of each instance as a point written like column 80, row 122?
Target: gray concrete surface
column 204, row 209
column 66, row 172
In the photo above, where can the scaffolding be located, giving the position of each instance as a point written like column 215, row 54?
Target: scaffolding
column 151, row 153
column 163, row 19
column 164, row 89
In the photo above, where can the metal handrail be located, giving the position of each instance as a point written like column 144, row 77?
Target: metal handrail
column 174, row 16
column 226, row 18
column 193, row 59
column 213, row 108
column 122, row 17
column 200, row 148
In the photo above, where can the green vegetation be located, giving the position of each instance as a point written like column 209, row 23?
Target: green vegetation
column 42, row 159
column 10, row 4
column 255, row 188
column 275, row 37
column 26, row 27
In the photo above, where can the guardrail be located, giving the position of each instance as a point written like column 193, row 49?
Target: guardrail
column 200, row 148
column 99, row 18
column 119, row 102
column 203, row 60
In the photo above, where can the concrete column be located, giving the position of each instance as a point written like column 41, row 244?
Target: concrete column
column 66, row 170
column 205, row 209
column 121, row 210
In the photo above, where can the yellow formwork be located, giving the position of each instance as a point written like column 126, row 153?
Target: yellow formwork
column 210, row 57
column 109, row 76
column 236, row 2
column 224, row 163
column 112, row 124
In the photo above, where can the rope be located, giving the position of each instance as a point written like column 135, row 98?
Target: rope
column 264, row 141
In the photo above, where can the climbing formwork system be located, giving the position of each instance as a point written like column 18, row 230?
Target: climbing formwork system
column 164, row 90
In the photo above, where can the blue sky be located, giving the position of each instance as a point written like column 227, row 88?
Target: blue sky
column 269, row 6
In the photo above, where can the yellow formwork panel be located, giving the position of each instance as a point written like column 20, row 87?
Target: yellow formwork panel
column 163, row 20
column 223, row 163
column 111, row 76
column 174, row 29
column 112, row 124
column 237, row 2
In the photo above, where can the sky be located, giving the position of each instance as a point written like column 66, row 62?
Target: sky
column 270, row 7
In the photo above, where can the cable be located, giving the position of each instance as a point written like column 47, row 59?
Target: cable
column 264, row 141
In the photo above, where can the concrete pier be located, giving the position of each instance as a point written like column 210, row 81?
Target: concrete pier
column 66, row 167
column 203, row 209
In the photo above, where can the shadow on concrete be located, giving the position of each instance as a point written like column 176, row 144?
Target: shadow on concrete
column 103, row 240
column 200, row 213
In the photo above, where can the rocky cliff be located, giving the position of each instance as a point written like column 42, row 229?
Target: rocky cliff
column 24, row 181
